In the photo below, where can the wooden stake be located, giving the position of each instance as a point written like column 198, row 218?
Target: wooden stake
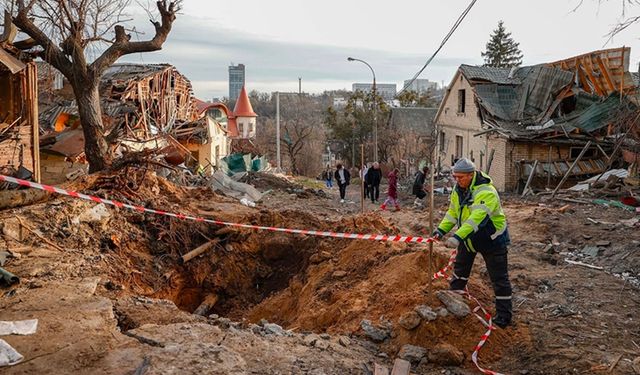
column 198, row 250
column 362, row 178
column 533, row 172
column 566, row 175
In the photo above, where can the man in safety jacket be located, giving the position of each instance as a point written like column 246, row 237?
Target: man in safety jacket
column 482, row 227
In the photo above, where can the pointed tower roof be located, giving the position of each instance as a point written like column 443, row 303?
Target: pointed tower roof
column 243, row 106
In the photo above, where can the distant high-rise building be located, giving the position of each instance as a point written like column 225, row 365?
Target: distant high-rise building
column 386, row 90
column 236, row 81
column 421, row 85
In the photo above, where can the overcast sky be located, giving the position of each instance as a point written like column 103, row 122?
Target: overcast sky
column 281, row 40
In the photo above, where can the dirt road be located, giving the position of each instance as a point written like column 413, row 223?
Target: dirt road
column 111, row 297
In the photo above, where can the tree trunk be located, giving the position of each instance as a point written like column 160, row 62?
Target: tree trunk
column 95, row 145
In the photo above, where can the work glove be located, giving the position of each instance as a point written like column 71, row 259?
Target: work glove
column 452, row 243
column 437, row 235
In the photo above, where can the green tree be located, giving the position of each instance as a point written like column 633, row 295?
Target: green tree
column 411, row 98
column 502, row 51
column 353, row 125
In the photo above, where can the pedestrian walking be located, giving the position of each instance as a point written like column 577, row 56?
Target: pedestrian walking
column 363, row 176
column 374, row 177
column 482, row 228
column 327, row 175
column 418, row 186
column 392, row 193
column 342, row 178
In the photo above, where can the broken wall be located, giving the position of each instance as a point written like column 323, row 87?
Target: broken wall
column 19, row 136
column 55, row 168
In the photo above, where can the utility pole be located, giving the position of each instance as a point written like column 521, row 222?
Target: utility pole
column 375, row 121
column 278, row 160
column 299, row 85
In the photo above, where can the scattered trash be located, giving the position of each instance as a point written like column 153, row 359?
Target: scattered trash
column 18, row 327
column 8, row 355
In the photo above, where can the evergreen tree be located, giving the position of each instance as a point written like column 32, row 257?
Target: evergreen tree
column 502, row 51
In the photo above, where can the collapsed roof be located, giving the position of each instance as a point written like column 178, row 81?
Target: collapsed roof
column 574, row 95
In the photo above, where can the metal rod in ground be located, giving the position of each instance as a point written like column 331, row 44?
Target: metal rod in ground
column 198, row 250
column 566, row 175
column 362, row 178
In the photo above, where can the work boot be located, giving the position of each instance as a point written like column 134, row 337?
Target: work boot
column 383, row 207
column 502, row 322
column 397, row 208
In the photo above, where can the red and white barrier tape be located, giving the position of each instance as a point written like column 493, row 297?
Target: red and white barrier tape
column 487, row 321
column 355, row 236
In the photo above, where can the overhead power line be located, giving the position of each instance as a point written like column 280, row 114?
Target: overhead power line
column 444, row 41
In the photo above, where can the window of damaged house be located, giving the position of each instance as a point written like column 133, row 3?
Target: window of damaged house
column 459, row 142
column 461, row 100
column 574, row 152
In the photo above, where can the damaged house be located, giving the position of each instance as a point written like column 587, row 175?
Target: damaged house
column 507, row 120
column 19, row 134
column 143, row 107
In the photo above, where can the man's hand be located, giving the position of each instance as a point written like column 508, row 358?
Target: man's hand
column 436, row 235
column 452, row 243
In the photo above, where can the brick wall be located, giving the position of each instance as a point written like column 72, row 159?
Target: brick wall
column 10, row 149
column 54, row 168
column 464, row 124
column 519, row 151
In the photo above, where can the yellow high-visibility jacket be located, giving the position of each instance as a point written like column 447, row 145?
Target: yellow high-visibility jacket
column 478, row 214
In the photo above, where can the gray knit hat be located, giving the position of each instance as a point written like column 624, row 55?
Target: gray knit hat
column 464, row 165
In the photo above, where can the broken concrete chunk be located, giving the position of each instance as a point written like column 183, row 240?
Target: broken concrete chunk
column 272, row 328
column 321, row 344
column 98, row 213
column 325, row 336
column 339, row 274
column 374, row 333
column 409, row 320
column 446, row 355
column 412, row 353
column 603, row 243
column 590, row 251
column 442, row 312
column 454, row 302
column 344, row 341
column 311, row 339
column 426, row 312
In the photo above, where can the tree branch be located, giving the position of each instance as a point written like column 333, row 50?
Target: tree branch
column 52, row 54
column 123, row 45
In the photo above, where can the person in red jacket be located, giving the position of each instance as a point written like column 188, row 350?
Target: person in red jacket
column 392, row 193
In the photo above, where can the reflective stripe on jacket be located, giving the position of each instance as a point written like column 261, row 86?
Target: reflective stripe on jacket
column 478, row 214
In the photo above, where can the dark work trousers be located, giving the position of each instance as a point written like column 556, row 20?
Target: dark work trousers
column 375, row 192
column 343, row 190
column 496, row 261
column 366, row 190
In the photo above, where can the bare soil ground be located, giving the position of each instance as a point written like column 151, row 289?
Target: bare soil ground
column 111, row 296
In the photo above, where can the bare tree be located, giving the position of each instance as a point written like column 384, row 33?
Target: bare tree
column 66, row 32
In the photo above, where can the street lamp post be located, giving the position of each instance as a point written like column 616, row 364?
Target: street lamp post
column 375, row 109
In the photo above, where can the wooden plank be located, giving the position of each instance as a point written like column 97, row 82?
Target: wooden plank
column 589, row 71
column 401, row 367
column 380, row 370
column 533, row 172
column 605, row 74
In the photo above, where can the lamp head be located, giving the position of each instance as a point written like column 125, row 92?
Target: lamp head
column 350, row 59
